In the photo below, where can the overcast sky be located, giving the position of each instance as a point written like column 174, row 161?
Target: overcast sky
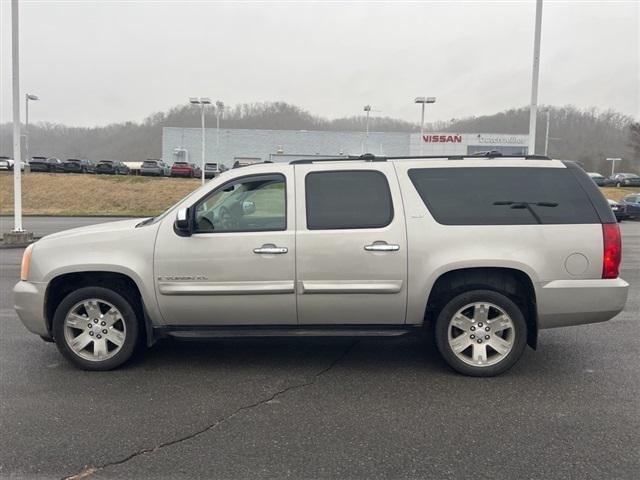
column 97, row 62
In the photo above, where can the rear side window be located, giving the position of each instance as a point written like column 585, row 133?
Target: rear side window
column 348, row 199
column 503, row 196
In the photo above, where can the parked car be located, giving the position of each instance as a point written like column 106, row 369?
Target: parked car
column 632, row 205
column 155, row 168
column 111, row 167
column 45, row 164
column 211, row 170
column 618, row 209
column 77, row 165
column 7, row 163
column 184, row 169
column 379, row 246
column 626, row 180
column 600, row 179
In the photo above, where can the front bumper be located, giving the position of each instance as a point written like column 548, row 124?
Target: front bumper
column 564, row 303
column 29, row 300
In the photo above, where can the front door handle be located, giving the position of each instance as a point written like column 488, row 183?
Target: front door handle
column 271, row 249
column 381, row 247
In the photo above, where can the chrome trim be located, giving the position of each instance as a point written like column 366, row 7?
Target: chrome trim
column 270, row 249
column 381, row 247
column 225, row 288
column 351, row 286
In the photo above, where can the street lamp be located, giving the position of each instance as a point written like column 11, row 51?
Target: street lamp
column 367, row 109
column 219, row 111
column 546, row 135
column 534, row 80
column 202, row 101
column 423, row 101
column 613, row 164
column 27, row 97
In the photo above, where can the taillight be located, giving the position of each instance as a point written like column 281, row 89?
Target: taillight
column 612, row 254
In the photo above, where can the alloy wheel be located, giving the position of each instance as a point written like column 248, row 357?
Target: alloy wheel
column 94, row 329
column 481, row 334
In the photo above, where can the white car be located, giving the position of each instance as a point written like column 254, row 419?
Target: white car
column 7, row 163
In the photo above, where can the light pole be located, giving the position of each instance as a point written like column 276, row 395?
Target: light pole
column 219, row 110
column 27, row 97
column 533, row 110
column 546, row 135
column 367, row 109
column 423, row 101
column 202, row 101
column 613, row 164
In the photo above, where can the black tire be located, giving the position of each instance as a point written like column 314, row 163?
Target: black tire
column 129, row 318
column 489, row 296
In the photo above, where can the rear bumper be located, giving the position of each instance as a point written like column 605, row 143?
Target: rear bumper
column 28, row 300
column 563, row 303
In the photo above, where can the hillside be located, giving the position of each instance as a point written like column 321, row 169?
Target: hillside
column 588, row 136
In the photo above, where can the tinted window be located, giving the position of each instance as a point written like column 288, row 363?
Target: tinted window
column 503, row 196
column 347, row 199
column 249, row 204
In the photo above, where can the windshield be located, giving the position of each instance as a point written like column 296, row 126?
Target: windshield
column 149, row 163
column 629, row 175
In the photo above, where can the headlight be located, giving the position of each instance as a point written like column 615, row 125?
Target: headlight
column 26, row 263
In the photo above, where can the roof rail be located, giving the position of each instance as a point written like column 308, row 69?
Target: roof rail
column 369, row 157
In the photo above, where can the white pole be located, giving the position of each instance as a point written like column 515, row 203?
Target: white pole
column 422, row 130
column 26, row 127
column 202, row 114
column 17, row 155
column 366, row 140
column 217, row 126
column 546, row 136
column 534, row 81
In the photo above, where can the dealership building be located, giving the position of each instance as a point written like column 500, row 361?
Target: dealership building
column 228, row 145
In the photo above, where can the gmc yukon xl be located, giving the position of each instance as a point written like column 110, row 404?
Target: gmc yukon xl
column 480, row 252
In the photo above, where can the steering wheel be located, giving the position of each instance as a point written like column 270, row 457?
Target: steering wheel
column 210, row 226
column 227, row 220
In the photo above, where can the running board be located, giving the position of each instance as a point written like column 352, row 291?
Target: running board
column 243, row 331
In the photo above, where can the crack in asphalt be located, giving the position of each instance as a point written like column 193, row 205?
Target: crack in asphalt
column 88, row 471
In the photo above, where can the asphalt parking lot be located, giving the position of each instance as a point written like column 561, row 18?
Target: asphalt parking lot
column 303, row 408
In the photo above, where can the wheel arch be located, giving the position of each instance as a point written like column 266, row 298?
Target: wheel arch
column 63, row 284
column 515, row 284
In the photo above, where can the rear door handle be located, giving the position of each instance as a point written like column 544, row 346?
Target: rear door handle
column 271, row 249
column 382, row 247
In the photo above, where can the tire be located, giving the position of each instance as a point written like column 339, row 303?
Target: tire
column 124, row 328
column 469, row 312
column 618, row 184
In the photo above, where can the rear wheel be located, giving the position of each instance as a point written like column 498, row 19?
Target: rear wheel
column 481, row 333
column 95, row 328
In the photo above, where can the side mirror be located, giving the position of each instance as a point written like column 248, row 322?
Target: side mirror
column 248, row 207
column 182, row 225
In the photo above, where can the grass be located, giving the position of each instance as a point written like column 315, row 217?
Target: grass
column 76, row 195
column 616, row 194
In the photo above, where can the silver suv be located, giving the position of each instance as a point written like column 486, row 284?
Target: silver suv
column 480, row 252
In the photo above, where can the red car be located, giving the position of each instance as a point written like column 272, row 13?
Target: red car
column 184, row 169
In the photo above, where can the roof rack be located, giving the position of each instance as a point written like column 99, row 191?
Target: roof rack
column 369, row 157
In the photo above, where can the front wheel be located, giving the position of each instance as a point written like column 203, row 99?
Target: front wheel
column 481, row 333
column 95, row 328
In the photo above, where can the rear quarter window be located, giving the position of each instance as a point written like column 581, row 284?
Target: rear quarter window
column 503, row 196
